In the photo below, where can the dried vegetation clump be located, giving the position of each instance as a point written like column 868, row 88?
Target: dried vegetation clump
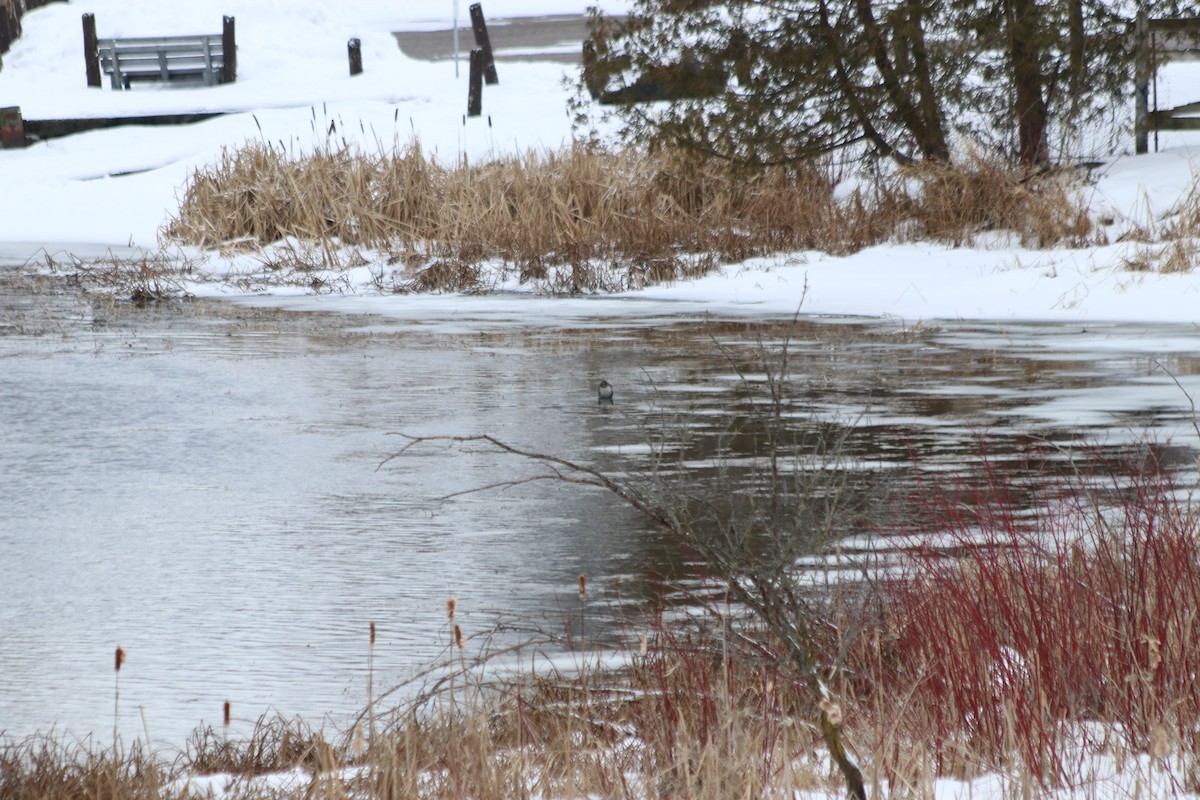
column 956, row 203
column 584, row 219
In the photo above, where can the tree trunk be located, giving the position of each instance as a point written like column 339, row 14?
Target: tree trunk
column 927, row 103
column 850, row 91
column 850, row 771
column 1029, row 100
column 928, row 133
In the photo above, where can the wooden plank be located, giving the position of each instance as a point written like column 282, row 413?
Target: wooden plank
column 1169, row 44
column 53, row 128
column 1187, row 25
column 1164, row 122
column 1188, row 108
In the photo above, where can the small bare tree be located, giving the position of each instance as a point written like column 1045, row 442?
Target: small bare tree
column 749, row 534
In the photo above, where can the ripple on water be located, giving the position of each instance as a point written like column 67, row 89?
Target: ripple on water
column 214, row 487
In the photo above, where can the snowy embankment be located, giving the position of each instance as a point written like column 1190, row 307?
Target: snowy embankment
column 118, row 187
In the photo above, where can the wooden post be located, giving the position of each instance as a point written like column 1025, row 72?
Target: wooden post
column 8, row 26
column 475, row 84
column 479, row 27
column 91, row 52
column 1142, row 70
column 354, row 48
column 229, row 49
column 12, row 127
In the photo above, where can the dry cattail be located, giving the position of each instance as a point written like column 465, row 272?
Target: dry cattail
column 451, row 607
column 583, row 588
column 227, row 716
column 644, row 645
column 459, row 639
column 372, row 633
column 120, row 659
column 1160, row 743
column 1153, row 652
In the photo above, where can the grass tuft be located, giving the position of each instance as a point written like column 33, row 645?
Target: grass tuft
column 586, row 219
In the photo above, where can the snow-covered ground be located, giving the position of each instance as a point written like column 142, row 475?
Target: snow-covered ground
column 119, row 186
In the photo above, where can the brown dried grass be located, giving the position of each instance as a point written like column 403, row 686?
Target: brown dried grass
column 52, row 768
column 957, row 203
column 588, row 219
column 680, row 722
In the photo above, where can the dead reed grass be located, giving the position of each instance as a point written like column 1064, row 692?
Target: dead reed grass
column 958, row 203
column 680, row 720
column 275, row 745
column 148, row 278
column 586, row 219
column 53, row 768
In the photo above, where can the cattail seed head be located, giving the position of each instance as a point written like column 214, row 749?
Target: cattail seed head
column 451, row 607
column 120, row 658
column 583, row 588
column 1160, row 743
column 459, row 639
column 372, row 633
column 227, row 716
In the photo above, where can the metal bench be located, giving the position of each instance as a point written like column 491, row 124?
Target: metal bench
column 203, row 59
column 163, row 58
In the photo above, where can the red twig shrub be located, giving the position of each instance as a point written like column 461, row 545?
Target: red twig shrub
column 1084, row 609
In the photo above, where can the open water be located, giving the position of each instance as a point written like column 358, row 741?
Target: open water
column 218, row 487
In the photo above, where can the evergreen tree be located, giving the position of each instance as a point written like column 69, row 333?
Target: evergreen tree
column 763, row 82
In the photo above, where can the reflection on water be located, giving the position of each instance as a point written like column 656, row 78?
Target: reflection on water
column 208, row 485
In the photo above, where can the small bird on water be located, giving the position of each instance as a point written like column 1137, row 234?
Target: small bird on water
column 605, row 392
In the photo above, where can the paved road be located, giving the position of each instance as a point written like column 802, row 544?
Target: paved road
column 553, row 38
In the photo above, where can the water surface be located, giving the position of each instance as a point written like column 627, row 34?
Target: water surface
column 211, row 485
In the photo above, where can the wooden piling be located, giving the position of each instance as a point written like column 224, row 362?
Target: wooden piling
column 10, row 25
column 12, row 127
column 479, row 27
column 229, row 47
column 475, row 84
column 91, row 51
column 1141, row 81
column 354, row 50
